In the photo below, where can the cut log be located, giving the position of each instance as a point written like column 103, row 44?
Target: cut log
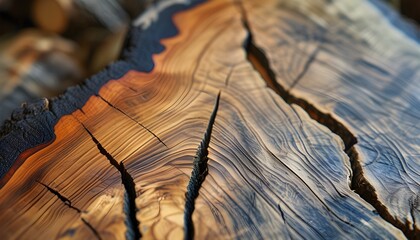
column 61, row 16
column 340, row 63
column 34, row 64
column 181, row 138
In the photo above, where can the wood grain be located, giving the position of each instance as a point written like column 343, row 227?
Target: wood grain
column 335, row 57
column 182, row 138
column 78, row 173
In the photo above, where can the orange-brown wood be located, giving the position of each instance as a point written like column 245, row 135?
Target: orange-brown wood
column 199, row 147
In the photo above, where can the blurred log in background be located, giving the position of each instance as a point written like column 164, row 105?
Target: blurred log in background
column 48, row 45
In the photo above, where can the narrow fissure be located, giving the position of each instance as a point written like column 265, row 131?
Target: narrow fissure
column 284, row 220
column 67, row 202
column 365, row 190
column 358, row 182
column 91, row 228
column 134, row 120
column 130, row 209
column 198, row 174
column 260, row 63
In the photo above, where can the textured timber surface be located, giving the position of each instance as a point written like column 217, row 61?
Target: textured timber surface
column 341, row 62
column 184, row 138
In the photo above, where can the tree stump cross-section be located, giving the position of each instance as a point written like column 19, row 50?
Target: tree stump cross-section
column 227, row 119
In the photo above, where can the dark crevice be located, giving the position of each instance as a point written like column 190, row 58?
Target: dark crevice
column 134, row 120
column 130, row 209
column 91, row 228
column 257, row 58
column 359, row 184
column 198, row 174
column 284, row 220
column 133, row 230
column 67, row 202
column 365, row 190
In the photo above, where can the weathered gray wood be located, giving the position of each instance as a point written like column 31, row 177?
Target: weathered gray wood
column 348, row 60
column 272, row 171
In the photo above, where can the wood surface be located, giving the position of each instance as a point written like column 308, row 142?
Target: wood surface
column 191, row 134
column 365, row 81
